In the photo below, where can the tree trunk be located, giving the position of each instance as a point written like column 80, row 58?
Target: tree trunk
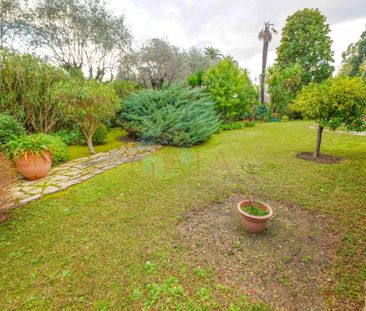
column 264, row 65
column 318, row 141
column 89, row 141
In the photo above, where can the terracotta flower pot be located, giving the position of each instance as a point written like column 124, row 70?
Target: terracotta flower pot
column 251, row 223
column 34, row 166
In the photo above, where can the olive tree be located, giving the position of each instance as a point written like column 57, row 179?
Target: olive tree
column 198, row 60
column 79, row 34
column 12, row 22
column 87, row 102
column 332, row 103
column 156, row 64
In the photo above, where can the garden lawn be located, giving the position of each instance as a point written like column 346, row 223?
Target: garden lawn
column 113, row 243
column 114, row 140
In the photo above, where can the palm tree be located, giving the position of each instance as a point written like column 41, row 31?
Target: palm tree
column 265, row 35
column 232, row 59
column 212, row 53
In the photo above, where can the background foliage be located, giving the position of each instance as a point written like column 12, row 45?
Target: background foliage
column 25, row 84
column 354, row 58
column 283, row 85
column 230, row 89
column 9, row 128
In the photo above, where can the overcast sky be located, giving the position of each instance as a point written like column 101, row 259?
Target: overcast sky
column 233, row 25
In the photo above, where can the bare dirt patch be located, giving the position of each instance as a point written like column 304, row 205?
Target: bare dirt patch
column 285, row 266
column 323, row 158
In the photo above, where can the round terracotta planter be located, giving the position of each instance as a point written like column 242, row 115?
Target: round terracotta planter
column 34, row 166
column 254, row 224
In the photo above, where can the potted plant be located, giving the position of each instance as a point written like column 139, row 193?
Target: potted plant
column 254, row 214
column 31, row 154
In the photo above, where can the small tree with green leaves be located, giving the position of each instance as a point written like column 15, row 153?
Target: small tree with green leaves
column 332, row 103
column 196, row 79
column 230, row 88
column 87, row 102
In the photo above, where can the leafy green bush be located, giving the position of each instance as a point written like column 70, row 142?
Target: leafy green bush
column 25, row 84
column 267, row 118
column 100, row 135
column 9, row 128
column 59, row 150
column 35, row 144
column 174, row 116
column 75, row 137
column 196, row 79
column 262, row 112
column 283, row 85
column 285, row 118
column 231, row 126
column 249, row 124
column 70, row 137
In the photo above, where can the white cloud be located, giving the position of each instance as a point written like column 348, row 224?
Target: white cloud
column 233, row 25
column 343, row 34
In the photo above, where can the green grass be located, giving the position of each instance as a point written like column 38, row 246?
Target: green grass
column 112, row 242
column 112, row 142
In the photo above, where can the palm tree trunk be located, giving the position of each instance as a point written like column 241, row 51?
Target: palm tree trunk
column 264, row 65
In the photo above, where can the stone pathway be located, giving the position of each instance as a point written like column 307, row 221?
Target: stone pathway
column 77, row 171
column 313, row 127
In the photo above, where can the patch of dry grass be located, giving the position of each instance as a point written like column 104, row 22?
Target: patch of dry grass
column 7, row 177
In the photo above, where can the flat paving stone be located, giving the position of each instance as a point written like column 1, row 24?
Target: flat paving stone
column 77, row 171
column 50, row 189
column 67, row 184
column 30, row 199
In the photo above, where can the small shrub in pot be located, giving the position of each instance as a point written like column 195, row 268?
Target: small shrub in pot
column 33, row 154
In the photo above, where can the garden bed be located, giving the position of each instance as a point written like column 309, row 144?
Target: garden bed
column 284, row 266
column 323, row 158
